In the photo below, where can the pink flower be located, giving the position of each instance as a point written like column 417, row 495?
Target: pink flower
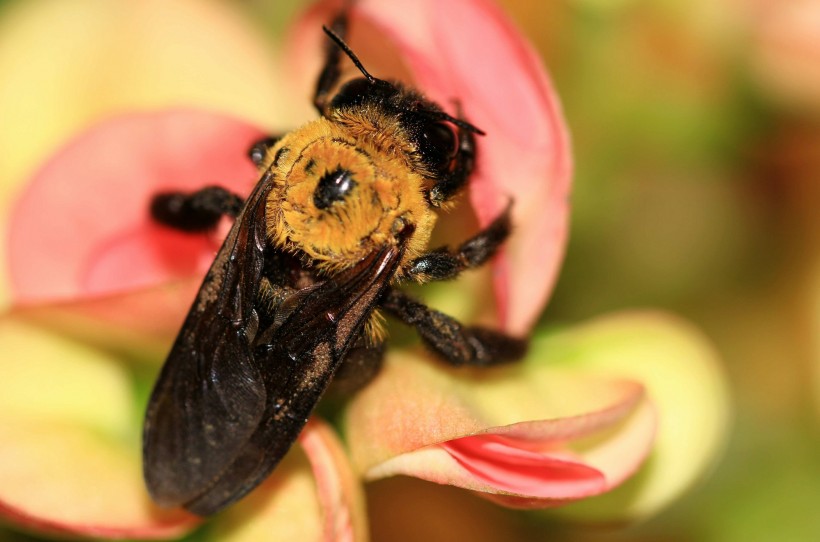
column 95, row 285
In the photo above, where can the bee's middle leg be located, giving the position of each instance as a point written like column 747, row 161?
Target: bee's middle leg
column 453, row 342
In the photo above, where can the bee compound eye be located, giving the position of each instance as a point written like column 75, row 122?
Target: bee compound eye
column 439, row 144
column 333, row 186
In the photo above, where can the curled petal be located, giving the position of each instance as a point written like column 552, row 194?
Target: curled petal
column 527, row 436
column 499, row 84
column 683, row 377
column 504, row 464
column 575, row 401
column 82, row 225
column 69, row 460
column 312, row 495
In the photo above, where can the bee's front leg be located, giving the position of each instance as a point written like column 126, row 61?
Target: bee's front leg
column 201, row 210
column 259, row 149
column 442, row 264
column 195, row 211
column 454, row 343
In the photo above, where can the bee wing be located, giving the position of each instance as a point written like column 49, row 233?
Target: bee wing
column 228, row 405
column 299, row 363
column 210, row 395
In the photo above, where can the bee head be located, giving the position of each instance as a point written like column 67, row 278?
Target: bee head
column 338, row 202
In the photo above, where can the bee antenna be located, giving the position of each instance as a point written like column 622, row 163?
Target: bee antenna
column 350, row 54
column 464, row 124
column 441, row 115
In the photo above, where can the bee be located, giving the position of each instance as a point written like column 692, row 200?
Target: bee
column 342, row 214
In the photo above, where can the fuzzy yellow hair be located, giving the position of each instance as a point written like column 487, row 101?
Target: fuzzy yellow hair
column 387, row 197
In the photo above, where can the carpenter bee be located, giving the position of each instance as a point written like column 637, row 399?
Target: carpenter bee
column 341, row 215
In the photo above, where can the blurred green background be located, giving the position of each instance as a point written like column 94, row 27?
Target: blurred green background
column 696, row 133
column 696, row 129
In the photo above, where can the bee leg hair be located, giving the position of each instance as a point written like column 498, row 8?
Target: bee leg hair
column 441, row 264
column 456, row 344
column 195, row 211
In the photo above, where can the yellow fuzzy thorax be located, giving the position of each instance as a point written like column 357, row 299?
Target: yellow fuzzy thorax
column 388, row 193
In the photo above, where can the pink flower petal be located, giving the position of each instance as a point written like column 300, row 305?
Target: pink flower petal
column 339, row 491
column 312, row 495
column 82, row 226
column 485, row 64
column 69, row 459
column 682, row 373
column 524, row 436
column 144, row 319
column 501, row 464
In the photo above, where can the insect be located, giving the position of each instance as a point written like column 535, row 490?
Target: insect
column 341, row 215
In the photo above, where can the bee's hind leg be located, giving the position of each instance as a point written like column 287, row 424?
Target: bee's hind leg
column 361, row 365
column 454, row 343
column 195, row 211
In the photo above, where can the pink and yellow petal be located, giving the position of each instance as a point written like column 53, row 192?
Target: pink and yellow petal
column 529, row 435
column 141, row 322
column 501, row 86
column 69, row 64
column 573, row 415
column 686, row 383
column 82, row 226
column 312, row 496
column 69, row 460
column 528, row 473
